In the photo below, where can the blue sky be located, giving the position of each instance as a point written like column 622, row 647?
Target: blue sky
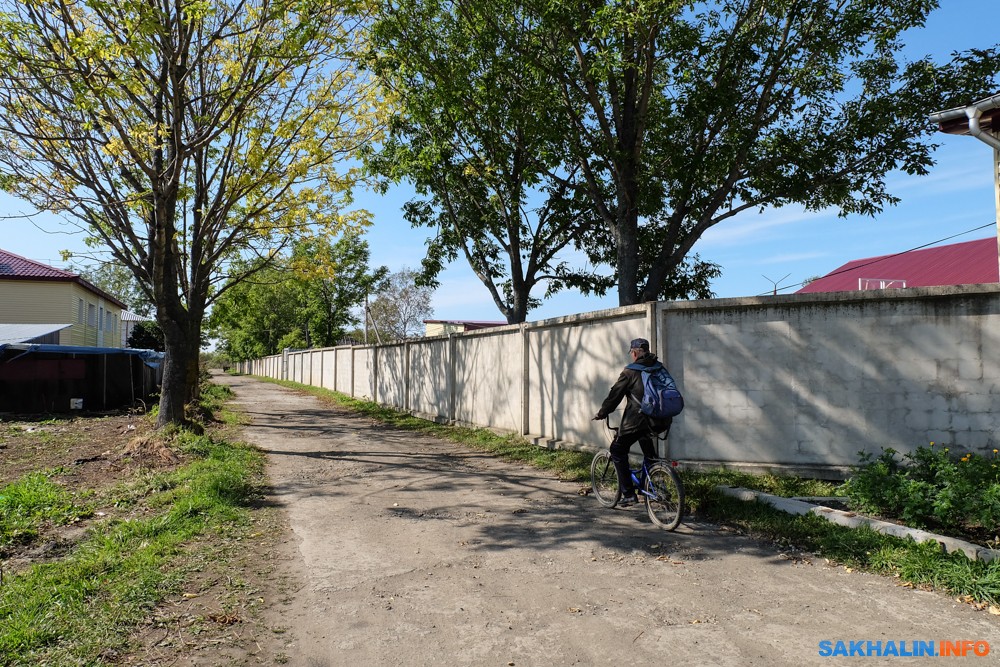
column 755, row 251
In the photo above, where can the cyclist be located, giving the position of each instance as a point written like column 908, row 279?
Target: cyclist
column 635, row 426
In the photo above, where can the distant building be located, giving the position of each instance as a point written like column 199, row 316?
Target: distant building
column 76, row 312
column 129, row 321
column 445, row 327
column 966, row 263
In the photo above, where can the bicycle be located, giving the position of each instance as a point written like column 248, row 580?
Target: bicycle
column 659, row 485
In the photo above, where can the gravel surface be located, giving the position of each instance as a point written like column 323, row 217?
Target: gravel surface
column 407, row 550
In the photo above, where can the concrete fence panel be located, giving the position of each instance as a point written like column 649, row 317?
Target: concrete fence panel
column 431, row 378
column 572, row 364
column 488, row 378
column 807, row 381
column 344, row 380
column 392, row 378
column 798, row 382
column 364, row 372
column 328, row 368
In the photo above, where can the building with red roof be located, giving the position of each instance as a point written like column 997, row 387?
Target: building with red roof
column 76, row 312
column 965, row 263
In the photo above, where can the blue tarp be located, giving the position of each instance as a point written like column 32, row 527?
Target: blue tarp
column 151, row 358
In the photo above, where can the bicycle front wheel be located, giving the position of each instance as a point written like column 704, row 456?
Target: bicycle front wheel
column 604, row 480
column 664, row 497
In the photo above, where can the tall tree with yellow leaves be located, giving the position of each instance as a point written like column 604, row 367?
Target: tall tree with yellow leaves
column 183, row 135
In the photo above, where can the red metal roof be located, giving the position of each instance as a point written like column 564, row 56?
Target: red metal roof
column 966, row 263
column 15, row 266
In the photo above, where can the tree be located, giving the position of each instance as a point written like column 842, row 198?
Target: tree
column 119, row 282
column 479, row 161
column 399, row 310
column 677, row 116
column 146, row 336
column 305, row 299
column 183, row 136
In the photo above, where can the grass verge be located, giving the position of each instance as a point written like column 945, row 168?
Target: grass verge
column 83, row 608
column 923, row 565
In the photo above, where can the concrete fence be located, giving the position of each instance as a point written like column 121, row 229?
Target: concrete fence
column 799, row 383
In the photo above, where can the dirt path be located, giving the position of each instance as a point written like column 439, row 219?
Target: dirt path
column 411, row 551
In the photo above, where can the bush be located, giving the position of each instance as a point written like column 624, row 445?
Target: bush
column 930, row 488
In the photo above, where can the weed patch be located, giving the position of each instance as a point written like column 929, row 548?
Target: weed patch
column 81, row 608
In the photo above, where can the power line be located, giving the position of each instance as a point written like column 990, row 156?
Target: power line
column 882, row 259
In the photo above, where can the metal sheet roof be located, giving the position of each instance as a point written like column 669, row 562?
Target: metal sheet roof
column 965, row 263
column 22, row 333
column 15, row 266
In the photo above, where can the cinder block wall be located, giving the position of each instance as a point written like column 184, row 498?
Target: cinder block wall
column 798, row 383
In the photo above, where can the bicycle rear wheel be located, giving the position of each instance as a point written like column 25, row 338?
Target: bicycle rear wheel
column 665, row 497
column 604, row 480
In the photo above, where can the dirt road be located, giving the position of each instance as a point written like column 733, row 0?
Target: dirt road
column 411, row 551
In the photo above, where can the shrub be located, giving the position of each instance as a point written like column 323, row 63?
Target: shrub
column 929, row 488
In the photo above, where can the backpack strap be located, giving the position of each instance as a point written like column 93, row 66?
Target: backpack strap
column 645, row 369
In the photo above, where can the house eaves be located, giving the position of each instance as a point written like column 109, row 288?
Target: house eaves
column 15, row 267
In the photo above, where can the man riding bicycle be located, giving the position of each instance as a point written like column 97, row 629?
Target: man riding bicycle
column 635, row 426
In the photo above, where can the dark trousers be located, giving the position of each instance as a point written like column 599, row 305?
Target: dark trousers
column 620, row 447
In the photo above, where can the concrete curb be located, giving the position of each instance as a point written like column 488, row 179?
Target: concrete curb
column 852, row 520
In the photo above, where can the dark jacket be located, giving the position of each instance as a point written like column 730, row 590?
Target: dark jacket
column 629, row 387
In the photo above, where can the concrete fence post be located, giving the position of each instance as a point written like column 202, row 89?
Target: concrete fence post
column 525, row 380
column 451, row 375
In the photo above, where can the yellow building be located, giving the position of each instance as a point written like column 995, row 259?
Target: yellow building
column 445, row 327
column 79, row 313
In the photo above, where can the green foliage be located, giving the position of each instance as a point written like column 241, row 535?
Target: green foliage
column 146, row 336
column 653, row 122
column 118, row 281
column 184, row 138
column 31, row 501
column 929, row 488
column 497, row 180
column 703, row 483
column 75, row 610
column 864, row 548
column 304, row 299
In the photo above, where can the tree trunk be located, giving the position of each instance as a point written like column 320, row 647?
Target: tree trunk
column 174, row 387
column 181, row 372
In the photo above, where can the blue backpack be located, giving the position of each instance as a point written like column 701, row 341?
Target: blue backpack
column 660, row 398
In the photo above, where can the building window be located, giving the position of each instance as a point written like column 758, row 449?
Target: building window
column 79, row 311
column 91, row 315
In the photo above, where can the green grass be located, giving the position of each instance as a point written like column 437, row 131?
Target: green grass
column 82, row 608
column 31, row 501
column 863, row 549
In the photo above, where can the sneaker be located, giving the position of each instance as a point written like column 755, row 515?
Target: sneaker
column 628, row 501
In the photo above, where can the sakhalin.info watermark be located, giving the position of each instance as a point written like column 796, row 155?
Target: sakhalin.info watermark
column 865, row 648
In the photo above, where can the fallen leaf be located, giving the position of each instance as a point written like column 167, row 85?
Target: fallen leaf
column 574, row 610
column 667, row 559
column 189, row 595
column 995, row 611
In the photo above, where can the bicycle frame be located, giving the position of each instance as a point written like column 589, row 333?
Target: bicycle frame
column 655, row 476
column 643, row 468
